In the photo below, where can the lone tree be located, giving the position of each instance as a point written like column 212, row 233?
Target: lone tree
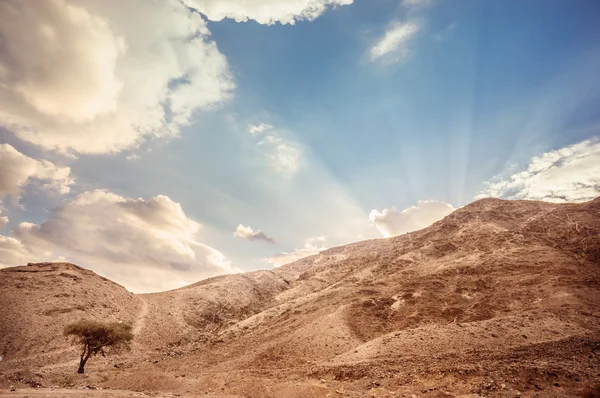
column 96, row 337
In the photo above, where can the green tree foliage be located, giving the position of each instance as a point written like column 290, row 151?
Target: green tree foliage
column 98, row 338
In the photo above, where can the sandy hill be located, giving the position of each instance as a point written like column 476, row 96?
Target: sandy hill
column 500, row 298
column 38, row 300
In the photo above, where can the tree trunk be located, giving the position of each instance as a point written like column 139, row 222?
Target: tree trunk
column 85, row 355
column 81, row 365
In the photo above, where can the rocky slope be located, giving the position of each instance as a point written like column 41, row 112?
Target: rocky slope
column 500, row 298
column 38, row 300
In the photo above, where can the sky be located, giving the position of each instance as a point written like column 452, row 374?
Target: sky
column 163, row 142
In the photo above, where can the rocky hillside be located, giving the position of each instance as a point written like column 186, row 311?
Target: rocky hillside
column 38, row 300
column 500, row 298
column 197, row 313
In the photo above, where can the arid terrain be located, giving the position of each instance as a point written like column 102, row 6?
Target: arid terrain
column 499, row 299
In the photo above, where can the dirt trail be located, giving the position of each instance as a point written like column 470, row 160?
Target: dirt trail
column 178, row 312
column 140, row 321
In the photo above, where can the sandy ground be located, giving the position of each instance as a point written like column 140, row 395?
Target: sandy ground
column 69, row 393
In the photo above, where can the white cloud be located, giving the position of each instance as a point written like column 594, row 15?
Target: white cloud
column 94, row 78
column 393, row 46
column 312, row 246
column 13, row 252
column 415, row 3
column 145, row 244
column 394, row 43
column 249, row 234
column 259, row 129
column 18, row 170
column 285, row 156
column 391, row 222
column 60, row 59
column 265, row 12
column 570, row 174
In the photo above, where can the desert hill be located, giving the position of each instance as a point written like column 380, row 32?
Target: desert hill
column 38, row 300
column 500, row 298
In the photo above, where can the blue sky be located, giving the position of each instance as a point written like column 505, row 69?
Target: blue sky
column 317, row 126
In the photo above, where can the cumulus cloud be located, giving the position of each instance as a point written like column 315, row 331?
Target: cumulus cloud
column 393, row 45
column 13, row 252
column 391, row 222
column 249, row 234
column 94, row 78
column 266, row 12
column 285, row 156
column 312, row 246
column 145, row 244
column 18, row 170
column 570, row 174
